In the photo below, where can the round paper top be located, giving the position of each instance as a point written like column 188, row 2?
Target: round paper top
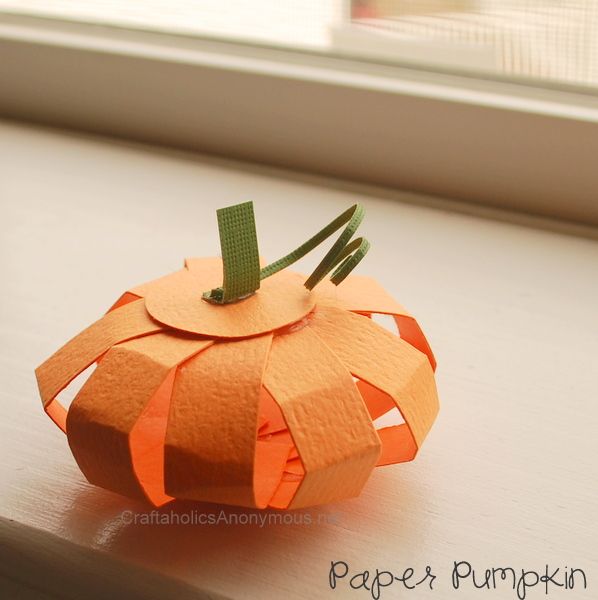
column 177, row 302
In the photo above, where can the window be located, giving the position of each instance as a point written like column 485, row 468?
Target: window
column 485, row 102
column 553, row 41
column 547, row 40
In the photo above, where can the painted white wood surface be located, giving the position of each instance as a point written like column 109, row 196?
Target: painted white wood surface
column 507, row 477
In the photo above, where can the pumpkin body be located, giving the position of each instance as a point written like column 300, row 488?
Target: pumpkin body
column 267, row 402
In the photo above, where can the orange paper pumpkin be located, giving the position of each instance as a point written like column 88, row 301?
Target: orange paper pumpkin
column 270, row 401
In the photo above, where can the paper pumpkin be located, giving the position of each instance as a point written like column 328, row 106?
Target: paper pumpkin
column 262, row 393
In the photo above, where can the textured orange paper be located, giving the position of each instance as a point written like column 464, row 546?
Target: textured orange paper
column 214, row 459
column 269, row 401
column 86, row 348
column 106, row 432
column 282, row 300
column 387, row 363
column 365, row 295
column 328, row 420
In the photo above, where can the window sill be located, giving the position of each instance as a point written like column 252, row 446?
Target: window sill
column 510, row 312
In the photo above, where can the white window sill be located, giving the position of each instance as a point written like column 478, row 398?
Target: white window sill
column 510, row 312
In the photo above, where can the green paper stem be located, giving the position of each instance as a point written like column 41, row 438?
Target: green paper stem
column 240, row 255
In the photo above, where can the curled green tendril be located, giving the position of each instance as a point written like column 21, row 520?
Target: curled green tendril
column 240, row 255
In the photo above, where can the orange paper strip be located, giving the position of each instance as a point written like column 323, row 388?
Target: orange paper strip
column 270, row 462
column 271, row 415
column 365, row 295
column 212, row 431
column 126, row 298
column 397, row 445
column 385, row 361
column 109, row 406
column 331, row 428
column 377, row 402
column 74, row 357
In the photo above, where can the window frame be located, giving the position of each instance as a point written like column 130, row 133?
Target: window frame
column 487, row 142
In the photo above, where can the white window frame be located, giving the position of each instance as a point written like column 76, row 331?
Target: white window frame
column 487, row 142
